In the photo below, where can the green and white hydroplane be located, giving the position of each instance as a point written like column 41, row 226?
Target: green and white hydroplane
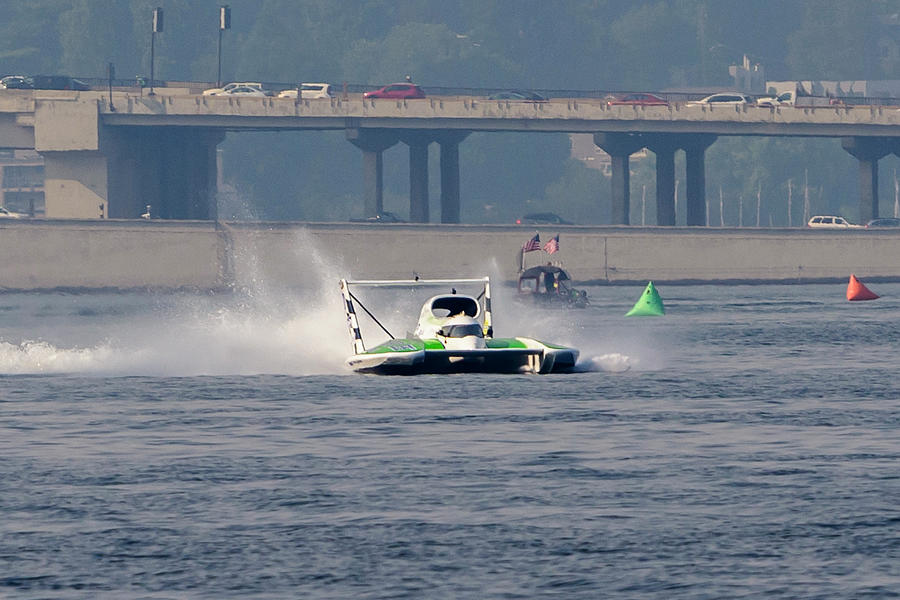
column 454, row 334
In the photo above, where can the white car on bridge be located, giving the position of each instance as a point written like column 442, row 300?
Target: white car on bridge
column 308, row 91
column 785, row 99
column 831, row 222
column 246, row 88
column 723, row 99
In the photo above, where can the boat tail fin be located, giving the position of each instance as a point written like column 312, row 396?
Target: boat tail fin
column 648, row 305
column 352, row 321
column 857, row 291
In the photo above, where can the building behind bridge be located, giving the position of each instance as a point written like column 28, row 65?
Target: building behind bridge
column 22, row 181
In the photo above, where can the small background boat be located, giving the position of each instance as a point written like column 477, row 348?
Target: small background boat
column 548, row 285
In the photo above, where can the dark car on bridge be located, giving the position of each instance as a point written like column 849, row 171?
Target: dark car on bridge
column 521, row 95
column 546, row 218
column 883, row 223
column 382, row 217
column 399, row 91
column 638, row 99
column 15, row 82
column 57, row 82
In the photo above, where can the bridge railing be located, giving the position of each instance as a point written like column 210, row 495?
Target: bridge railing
column 197, row 87
column 100, row 83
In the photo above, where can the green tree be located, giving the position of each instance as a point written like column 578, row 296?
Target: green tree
column 431, row 53
column 649, row 31
column 86, row 55
column 29, row 36
column 832, row 42
column 294, row 41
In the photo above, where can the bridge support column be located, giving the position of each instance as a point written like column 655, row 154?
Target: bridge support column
column 173, row 169
column 664, row 146
column 695, row 173
column 449, row 142
column 158, row 179
column 373, row 142
column 190, row 192
column 619, row 146
column 418, row 177
column 206, row 193
column 868, row 152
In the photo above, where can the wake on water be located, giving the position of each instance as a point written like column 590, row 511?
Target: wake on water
column 264, row 329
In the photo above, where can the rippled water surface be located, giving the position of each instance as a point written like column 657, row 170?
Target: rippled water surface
column 183, row 446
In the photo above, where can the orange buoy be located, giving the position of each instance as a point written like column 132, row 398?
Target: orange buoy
column 857, row 291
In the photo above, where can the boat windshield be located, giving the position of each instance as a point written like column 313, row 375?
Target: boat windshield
column 461, row 331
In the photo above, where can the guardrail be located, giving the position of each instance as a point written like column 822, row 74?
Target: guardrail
column 358, row 88
column 139, row 82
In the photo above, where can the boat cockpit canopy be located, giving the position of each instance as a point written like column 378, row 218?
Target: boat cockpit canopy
column 461, row 331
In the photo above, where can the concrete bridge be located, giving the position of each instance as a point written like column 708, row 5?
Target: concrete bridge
column 109, row 155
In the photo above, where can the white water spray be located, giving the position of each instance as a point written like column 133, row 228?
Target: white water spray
column 260, row 329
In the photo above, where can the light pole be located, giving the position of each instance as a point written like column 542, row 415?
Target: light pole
column 157, row 28
column 224, row 23
column 111, row 73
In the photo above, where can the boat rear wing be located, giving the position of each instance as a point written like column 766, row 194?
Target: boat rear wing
column 411, row 282
column 353, row 320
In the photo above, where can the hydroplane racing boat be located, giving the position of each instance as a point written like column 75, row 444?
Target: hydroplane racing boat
column 454, row 334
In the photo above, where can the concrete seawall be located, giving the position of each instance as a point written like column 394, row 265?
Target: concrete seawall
column 99, row 254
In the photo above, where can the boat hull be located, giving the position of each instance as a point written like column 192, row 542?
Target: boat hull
column 528, row 356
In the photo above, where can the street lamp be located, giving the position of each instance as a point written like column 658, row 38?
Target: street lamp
column 224, row 23
column 157, row 28
column 111, row 73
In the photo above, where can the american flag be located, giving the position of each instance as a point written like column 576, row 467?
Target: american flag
column 532, row 244
column 552, row 245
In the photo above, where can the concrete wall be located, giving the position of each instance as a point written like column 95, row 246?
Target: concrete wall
column 42, row 254
column 39, row 254
column 67, row 123
column 76, row 185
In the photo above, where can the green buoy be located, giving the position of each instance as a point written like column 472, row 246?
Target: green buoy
column 648, row 305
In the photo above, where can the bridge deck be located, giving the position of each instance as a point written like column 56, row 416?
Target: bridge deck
column 574, row 115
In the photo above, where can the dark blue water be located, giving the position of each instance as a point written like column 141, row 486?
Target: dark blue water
column 213, row 447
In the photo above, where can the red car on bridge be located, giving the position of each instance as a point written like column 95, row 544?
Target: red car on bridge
column 398, row 91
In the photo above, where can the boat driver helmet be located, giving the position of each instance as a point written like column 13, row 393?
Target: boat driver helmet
column 461, row 332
